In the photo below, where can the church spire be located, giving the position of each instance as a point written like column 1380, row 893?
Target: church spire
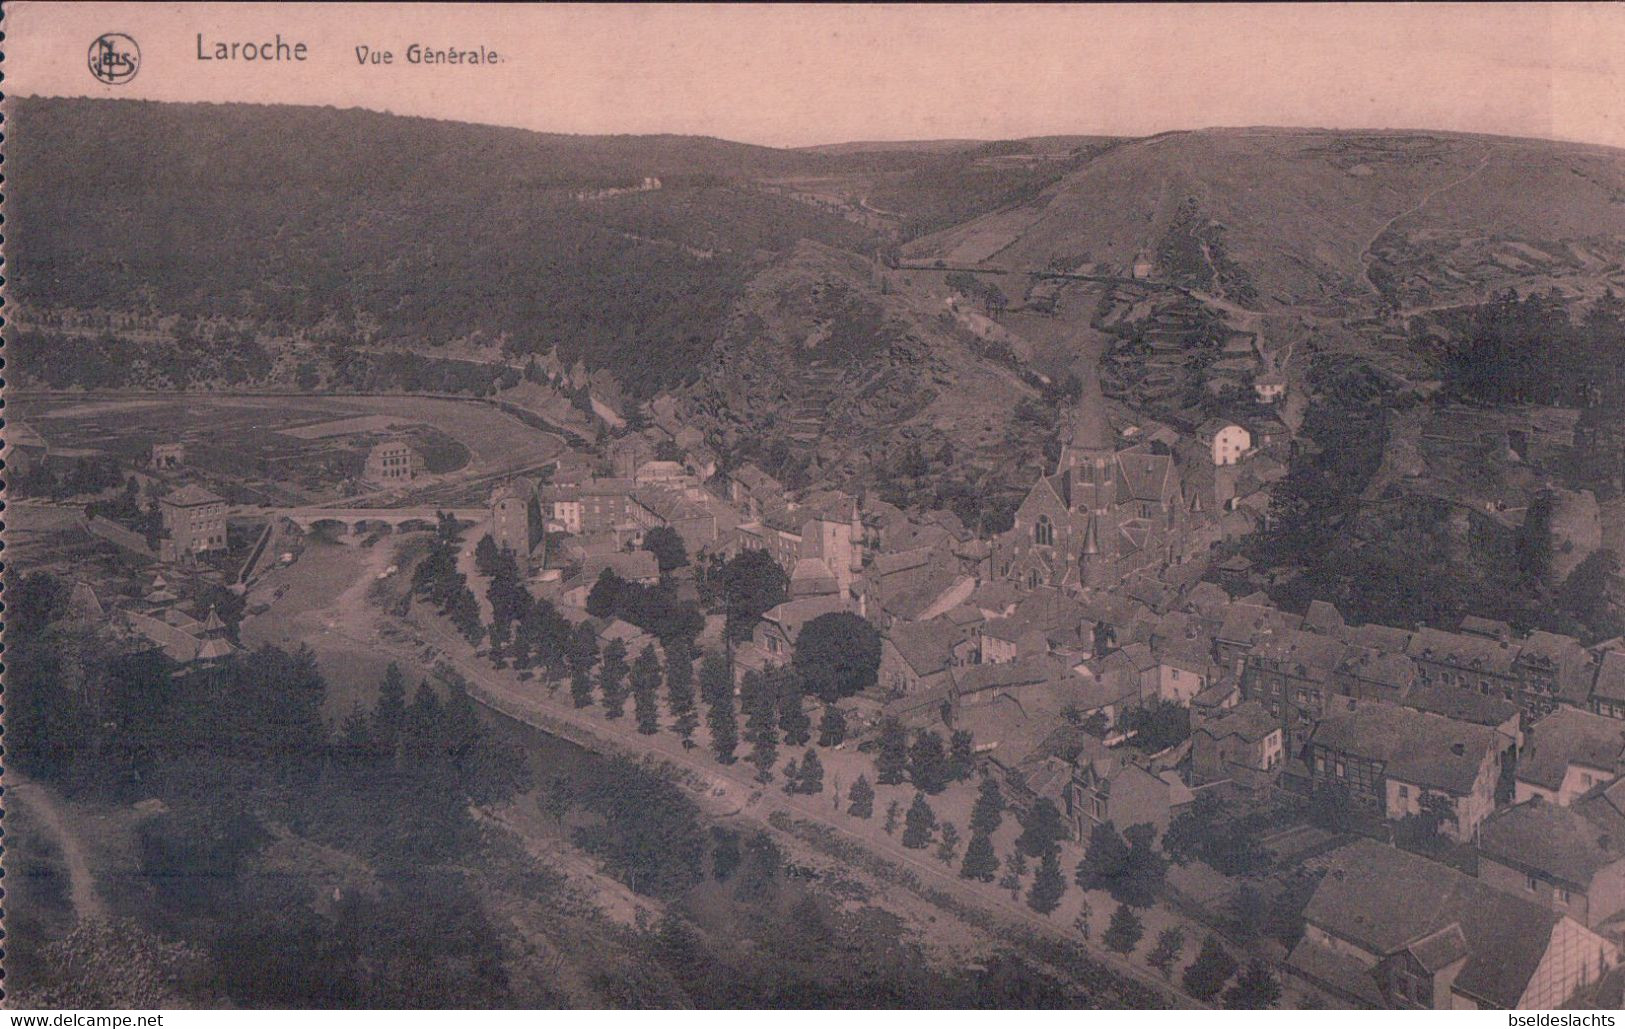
column 1090, row 429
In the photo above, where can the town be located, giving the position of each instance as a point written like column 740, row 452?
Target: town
column 1087, row 713
column 1059, row 507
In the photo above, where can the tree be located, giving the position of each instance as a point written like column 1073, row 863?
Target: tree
column 764, row 755
column 918, row 823
column 988, row 814
column 1011, row 879
column 612, row 679
column 793, row 720
column 680, row 690
column 1042, row 830
column 1126, row 866
column 582, row 648
column 891, row 759
column 485, row 555
column 893, row 810
column 752, row 583
column 1123, row 932
column 1104, row 860
column 812, row 774
column 581, row 687
column 927, row 764
column 1249, row 909
column 1162, row 725
column 1169, row 943
column 666, row 545
column 1254, row 990
column 1206, row 976
column 1048, row 885
column 645, row 690
column 837, row 655
column 724, row 725
column 981, row 863
column 389, row 715
column 861, row 799
column 715, row 679
column 500, row 634
column 832, row 727
column 947, row 843
column 961, row 755
column 607, row 594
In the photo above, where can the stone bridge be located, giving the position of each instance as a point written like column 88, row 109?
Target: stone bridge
column 358, row 518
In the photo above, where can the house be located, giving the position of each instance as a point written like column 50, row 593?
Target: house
column 773, row 641
column 1467, row 661
column 194, row 522
column 1389, row 929
column 1397, row 762
column 181, row 637
column 1292, row 672
column 1371, row 673
column 916, row 656
column 662, row 473
column 1608, row 691
column 1241, row 626
column 753, row 491
column 1501, row 715
column 1227, row 443
column 1184, row 669
column 1567, row 753
column 1245, row 736
column 1106, row 788
column 516, row 523
column 1557, row 857
column 391, row 463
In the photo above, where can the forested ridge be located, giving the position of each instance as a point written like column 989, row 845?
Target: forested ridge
column 414, row 232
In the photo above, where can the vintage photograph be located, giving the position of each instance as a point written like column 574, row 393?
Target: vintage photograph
column 814, row 507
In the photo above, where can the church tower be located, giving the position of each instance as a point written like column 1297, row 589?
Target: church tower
column 1087, row 462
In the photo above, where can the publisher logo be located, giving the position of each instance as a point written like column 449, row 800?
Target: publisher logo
column 114, row 58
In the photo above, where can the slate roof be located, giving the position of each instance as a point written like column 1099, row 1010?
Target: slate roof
column 190, row 496
column 1246, row 623
column 926, row 646
column 1414, row 746
column 1385, row 668
column 1569, row 736
column 1559, row 842
column 1387, row 900
column 1610, row 683
column 1312, row 654
column 1462, row 705
column 1461, row 650
column 1249, row 720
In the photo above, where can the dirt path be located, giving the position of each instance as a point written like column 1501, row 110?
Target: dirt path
column 81, row 883
column 1427, row 198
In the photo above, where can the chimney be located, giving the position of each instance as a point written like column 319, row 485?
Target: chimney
column 1458, row 749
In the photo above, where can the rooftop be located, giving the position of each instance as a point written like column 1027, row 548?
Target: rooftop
column 1387, row 900
column 1414, row 746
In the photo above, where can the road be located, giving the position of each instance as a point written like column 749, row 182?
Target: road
column 87, row 902
column 733, row 790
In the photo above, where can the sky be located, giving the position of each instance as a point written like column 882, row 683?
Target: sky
column 801, row 75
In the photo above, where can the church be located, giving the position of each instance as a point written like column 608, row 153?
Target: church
column 1104, row 515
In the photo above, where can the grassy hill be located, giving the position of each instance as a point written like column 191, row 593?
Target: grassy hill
column 1273, row 218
